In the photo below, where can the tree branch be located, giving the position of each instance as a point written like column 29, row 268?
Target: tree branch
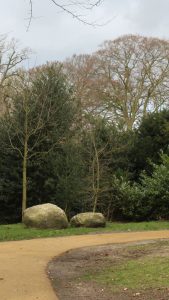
column 65, row 8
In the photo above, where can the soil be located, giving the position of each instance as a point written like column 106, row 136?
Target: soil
column 23, row 263
column 66, row 272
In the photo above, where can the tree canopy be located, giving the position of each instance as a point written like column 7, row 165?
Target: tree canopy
column 88, row 134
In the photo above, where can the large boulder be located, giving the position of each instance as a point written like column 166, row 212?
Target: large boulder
column 88, row 219
column 45, row 216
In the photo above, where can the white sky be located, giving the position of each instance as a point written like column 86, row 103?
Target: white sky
column 55, row 36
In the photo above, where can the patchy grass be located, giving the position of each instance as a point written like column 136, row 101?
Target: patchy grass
column 116, row 272
column 20, row 232
column 135, row 274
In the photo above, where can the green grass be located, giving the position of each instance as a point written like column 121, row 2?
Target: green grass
column 19, row 232
column 135, row 274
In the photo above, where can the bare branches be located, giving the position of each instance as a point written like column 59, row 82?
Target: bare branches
column 30, row 14
column 86, row 5
column 71, row 7
column 10, row 59
column 123, row 81
column 37, row 124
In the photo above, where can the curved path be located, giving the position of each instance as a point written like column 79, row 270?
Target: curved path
column 23, row 263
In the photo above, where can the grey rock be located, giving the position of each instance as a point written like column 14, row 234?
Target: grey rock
column 88, row 219
column 45, row 216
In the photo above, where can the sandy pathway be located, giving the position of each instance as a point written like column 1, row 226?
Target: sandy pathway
column 23, row 263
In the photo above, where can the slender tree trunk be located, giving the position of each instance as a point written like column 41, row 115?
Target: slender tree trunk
column 95, row 202
column 97, row 187
column 93, row 186
column 25, row 158
column 24, row 179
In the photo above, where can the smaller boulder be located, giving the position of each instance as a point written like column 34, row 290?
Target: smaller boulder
column 88, row 219
column 45, row 216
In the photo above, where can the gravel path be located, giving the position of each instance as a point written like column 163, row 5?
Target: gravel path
column 23, row 263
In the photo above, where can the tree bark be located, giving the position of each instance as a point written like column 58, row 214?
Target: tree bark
column 25, row 157
column 97, row 187
column 24, row 179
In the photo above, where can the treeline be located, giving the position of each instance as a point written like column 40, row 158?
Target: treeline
column 88, row 134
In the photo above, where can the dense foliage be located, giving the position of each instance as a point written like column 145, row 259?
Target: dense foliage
column 59, row 145
column 150, row 139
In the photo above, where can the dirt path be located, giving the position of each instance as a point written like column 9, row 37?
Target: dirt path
column 23, row 263
column 69, row 272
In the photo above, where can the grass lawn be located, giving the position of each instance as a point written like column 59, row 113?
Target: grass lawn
column 135, row 274
column 149, row 269
column 116, row 272
column 20, row 232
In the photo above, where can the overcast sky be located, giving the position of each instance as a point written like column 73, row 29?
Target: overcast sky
column 54, row 35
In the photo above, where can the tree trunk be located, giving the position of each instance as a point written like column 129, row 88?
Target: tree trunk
column 24, row 179
column 97, row 183
column 25, row 157
column 24, row 184
column 95, row 202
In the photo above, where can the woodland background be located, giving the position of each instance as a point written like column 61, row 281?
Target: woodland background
column 87, row 134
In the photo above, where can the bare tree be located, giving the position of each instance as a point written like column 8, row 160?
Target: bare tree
column 97, row 168
column 33, row 116
column 97, row 154
column 10, row 61
column 124, row 80
column 19, row 135
column 81, row 71
column 135, row 72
